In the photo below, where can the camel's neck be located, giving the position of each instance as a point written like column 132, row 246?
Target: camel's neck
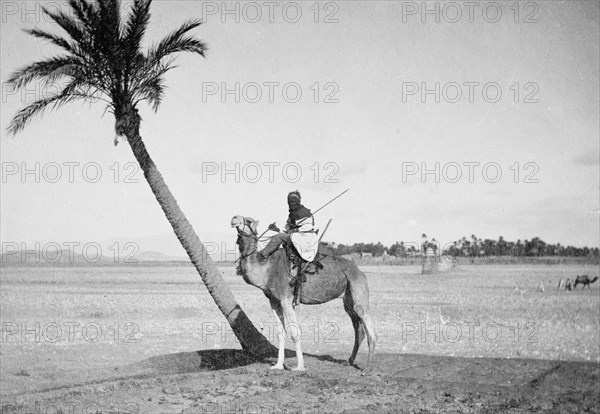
column 253, row 272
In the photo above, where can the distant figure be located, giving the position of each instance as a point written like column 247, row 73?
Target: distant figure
column 560, row 284
column 585, row 281
column 541, row 286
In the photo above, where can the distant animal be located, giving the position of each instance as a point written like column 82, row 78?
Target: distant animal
column 585, row 280
column 565, row 284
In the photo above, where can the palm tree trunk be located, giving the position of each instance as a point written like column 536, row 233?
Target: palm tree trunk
column 250, row 338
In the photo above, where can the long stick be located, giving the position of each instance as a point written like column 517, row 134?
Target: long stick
column 331, row 201
column 322, row 234
column 318, row 241
column 324, row 205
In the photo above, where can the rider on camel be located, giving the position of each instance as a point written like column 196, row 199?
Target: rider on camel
column 300, row 219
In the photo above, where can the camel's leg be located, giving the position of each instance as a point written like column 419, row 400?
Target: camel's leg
column 367, row 323
column 293, row 329
column 359, row 291
column 280, row 336
column 359, row 332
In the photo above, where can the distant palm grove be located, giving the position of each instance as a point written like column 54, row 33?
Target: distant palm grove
column 471, row 247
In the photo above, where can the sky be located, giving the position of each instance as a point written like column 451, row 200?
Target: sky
column 444, row 118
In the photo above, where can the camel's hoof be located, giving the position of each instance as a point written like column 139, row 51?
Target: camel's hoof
column 298, row 369
column 277, row 367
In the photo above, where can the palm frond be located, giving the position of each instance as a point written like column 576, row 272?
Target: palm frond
column 152, row 90
column 84, row 11
column 176, row 42
column 148, row 73
column 48, row 70
column 131, row 43
column 24, row 116
column 136, row 25
column 57, row 40
column 108, row 25
column 150, row 85
column 83, row 28
column 69, row 25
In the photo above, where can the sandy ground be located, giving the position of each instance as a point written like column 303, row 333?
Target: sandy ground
column 479, row 339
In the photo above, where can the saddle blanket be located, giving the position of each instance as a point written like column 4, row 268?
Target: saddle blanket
column 306, row 245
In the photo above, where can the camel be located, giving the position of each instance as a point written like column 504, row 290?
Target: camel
column 585, row 280
column 339, row 276
column 564, row 284
column 568, row 285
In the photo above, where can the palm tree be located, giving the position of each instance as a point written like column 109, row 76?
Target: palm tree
column 501, row 246
column 103, row 60
column 402, row 251
column 473, row 248
column 455, row 247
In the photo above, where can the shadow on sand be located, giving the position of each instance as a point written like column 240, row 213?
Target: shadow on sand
column 214, row 360
column 442, row 383
column 166, row 364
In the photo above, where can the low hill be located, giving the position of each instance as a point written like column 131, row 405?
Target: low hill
column 53, row 257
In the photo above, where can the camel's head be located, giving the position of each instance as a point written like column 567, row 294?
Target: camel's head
column 246, row 227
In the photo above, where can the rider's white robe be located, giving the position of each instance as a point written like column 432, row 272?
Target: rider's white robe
column 306, row 241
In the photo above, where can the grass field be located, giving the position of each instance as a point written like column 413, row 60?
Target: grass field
column 62, row 326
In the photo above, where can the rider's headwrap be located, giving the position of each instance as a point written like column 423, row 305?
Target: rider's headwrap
column 293, row 200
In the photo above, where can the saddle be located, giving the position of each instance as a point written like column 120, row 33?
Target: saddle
column 299, row 267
